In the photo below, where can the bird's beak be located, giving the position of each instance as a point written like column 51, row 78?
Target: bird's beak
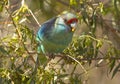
column 73, row 26
column 73, row 29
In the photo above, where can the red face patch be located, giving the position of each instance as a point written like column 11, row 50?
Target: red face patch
column 72, row 20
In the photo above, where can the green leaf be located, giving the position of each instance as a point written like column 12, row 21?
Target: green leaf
column 42, row 59
column 3, row 50
column 101, row 5
column 99, row 43
column 62, row 76
column 73, row 2
column 112, row 64
column 1, row 8
column 116, row 70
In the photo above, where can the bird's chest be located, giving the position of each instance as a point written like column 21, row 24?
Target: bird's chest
column 61, row 37
column 58, row 41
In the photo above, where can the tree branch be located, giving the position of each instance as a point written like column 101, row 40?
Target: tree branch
column 87, row 59
column 19, row 34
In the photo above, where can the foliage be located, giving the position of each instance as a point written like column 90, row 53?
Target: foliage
column 17, row 65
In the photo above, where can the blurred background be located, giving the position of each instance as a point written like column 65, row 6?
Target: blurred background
column 46, row 9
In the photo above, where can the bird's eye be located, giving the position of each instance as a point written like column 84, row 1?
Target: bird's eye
column 65, row 20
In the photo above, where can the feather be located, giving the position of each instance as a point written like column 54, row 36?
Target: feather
column 55, row 35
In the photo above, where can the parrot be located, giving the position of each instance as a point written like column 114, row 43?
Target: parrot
column 56, row 34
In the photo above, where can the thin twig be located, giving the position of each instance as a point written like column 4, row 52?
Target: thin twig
column 88, row 59
column 34, row 17
column 78, row 63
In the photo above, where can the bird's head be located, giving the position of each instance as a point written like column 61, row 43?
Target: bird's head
column 70, row 19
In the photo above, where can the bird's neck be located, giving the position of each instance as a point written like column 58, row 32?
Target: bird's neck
column 59, row 20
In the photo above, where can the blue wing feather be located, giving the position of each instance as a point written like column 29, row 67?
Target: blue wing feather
column 45, row 28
